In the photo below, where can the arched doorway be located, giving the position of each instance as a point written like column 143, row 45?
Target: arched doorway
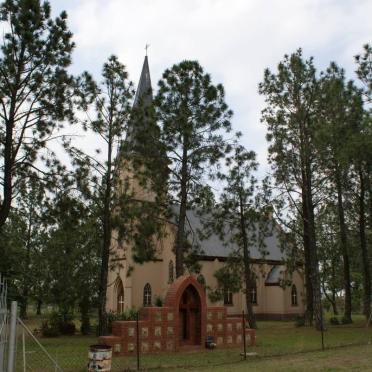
column 190, row 317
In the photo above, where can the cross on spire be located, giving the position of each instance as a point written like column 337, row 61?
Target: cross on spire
column 146, row 48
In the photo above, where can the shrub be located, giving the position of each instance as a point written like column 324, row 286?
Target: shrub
column 85, row 327
column 47, row 330
column 334, row 321
column 158, row 302
column 130, row 314
column 345, row 321
column 67, row 328
column 63, row 322
column 300, row 321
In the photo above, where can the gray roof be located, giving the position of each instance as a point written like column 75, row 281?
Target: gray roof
column 213, row 246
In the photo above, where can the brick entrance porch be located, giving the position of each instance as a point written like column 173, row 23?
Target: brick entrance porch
column 183, row 322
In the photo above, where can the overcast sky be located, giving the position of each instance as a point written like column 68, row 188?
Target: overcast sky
column 234, row 40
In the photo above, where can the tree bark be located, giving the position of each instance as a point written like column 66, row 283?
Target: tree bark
column 344, row 248
column 26, row 276
column 363, row 247
column 38, row 308
column 107, row 230
column 247, row 268
column 309, row 224
column 180, row 237
column 84, row 312
column 331, row 300
column 8, row 166
column 9, row 156
column 309, row 312
column 315, row 281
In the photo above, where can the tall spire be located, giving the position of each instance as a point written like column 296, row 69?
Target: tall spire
column 144, row 89
column 138, row 124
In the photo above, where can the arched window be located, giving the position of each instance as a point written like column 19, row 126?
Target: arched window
column 147, row 295
column 119, row 296
column 170, row 272
column 294, row 295
column 227, row 296
column 254, row 294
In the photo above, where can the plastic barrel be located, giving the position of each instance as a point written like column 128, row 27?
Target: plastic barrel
column 99, row 358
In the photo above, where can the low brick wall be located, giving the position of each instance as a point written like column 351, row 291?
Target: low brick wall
column 161, row 328
column 227, row 331
column 157, row 331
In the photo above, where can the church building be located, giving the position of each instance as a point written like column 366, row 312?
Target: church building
column 133, row 285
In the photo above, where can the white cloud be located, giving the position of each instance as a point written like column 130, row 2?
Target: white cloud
column 234, row 40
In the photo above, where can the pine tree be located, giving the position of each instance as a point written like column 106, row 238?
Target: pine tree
column 241, row 220
column 291, row 95
column 339, row 110
column 193, row 115
column 108, row 110
column 131, row 171
column 364, row 70
column 35, row 92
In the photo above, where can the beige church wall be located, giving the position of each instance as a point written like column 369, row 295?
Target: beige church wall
column 132, row 184
column 275, row 301
column 210, row 267
column 151, row 273
column 298, row 281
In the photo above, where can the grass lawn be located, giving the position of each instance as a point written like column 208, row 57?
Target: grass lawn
column 280, row 346
column 349, row 358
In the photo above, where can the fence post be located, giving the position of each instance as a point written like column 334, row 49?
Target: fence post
column 24, row 350
column 12, row 336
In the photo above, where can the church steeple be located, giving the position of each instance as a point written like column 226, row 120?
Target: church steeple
column 142, row 102
column 144, row 89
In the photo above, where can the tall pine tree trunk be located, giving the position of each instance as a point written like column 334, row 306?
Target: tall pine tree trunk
column 344, row 248
column 315, row 279
column 247, row 269
column 309, row 226
column 334, row 303
column 309, row 312
column 26, row 276
column 105, row 254
column 363, row 247
column 38, row 307
column 84, row 312
column 180, row 237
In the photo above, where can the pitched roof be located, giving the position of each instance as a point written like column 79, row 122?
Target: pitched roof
column 213, row 246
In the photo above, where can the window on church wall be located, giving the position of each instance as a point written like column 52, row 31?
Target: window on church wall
column 294, row 295
column 254, row 294
column 147, row 295
column 170, row 272
column 119, row 296
column 227, row 296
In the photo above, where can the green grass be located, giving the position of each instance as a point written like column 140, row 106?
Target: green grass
column 350, row 358
column 274, row 340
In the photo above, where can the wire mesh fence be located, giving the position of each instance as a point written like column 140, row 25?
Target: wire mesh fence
column 71, row 353
column 3, row 323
